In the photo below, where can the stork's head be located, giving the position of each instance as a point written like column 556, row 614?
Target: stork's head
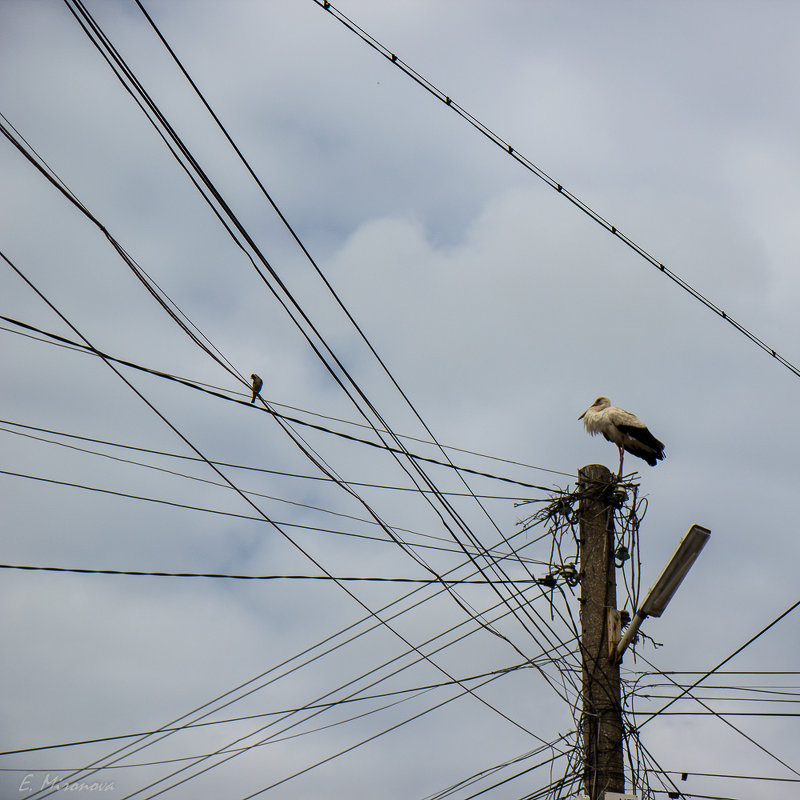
column 598, row 405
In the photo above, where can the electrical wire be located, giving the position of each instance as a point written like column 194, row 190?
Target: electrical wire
column 245, row 467
column 139, row 573
column 166, row 131
column 460, row 624
column 229, row 749
column 522, row 773
column 492, row 565
column 464, row 549
column 725, row 672
column 670, row 793
column 734, row 777
column 298, row 772
column 331, row 576
column 256, row 517
column 491, row 771
column 129, row 261
column 232, row 752
column 303, row 322
column 725, row 717
column 242, row 399
column 283, row 218
column 244, row 497
column 724, row 661
column 647, row 757
column 368, row 618
column 192, row 725
column 227, row 394
column 551, row 182
column 294, row 503
column 760, row 700
column 338, row 300
column 686, row 692
column 378, row 521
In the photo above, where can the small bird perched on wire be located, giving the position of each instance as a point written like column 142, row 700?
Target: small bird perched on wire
column 257, row 384
column 624, row 429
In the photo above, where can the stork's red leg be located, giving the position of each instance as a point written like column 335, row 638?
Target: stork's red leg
column 621, row 454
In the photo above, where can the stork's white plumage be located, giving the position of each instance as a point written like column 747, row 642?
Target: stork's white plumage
column 624, row 429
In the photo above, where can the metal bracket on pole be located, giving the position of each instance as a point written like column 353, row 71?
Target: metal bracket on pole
column 630, row 633
column 613, row 632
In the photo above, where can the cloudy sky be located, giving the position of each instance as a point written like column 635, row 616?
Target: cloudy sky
column 491, row 312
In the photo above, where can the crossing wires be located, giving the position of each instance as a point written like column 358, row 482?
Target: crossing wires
column 444, row 511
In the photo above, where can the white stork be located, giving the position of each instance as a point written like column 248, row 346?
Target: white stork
column 624, row 429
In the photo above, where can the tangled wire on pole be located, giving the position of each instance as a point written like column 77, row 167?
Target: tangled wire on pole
column 558, row 520
column 558, row 515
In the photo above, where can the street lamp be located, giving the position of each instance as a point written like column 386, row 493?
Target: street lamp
column 667, row 584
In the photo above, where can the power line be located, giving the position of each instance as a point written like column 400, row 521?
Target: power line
column 228, row 749
column 492, row 564
column 318, row 701
column 449, row 510
column 721, row 699
column 248, row 517
column 303, row 323
column 227, row 576
column 682, row 794
column 234, row 227
column 645, row 755
column 524, row 772
column 330, row 638
column 547, row 581
column 667, row 673
column 165, row 375
column 444, row 510
column 734, row 777
column 490, row 771
column 295, row 503
column 721, row 717
column 438, row 636
column 250, row 502
column 331, row 577
column 472, row 780
column 297, row 773
column 551, row 182
column 231, row 465
column 191, row 725
column 224, row 395
column 160, row 374
column 724, row 661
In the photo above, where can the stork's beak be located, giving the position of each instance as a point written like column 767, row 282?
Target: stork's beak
column 583, row 415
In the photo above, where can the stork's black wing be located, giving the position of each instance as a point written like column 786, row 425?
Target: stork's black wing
column 641, row 443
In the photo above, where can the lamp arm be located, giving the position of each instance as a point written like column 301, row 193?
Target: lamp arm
column 630, row 633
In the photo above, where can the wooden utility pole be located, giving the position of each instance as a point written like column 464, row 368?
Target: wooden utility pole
column 602, row 711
